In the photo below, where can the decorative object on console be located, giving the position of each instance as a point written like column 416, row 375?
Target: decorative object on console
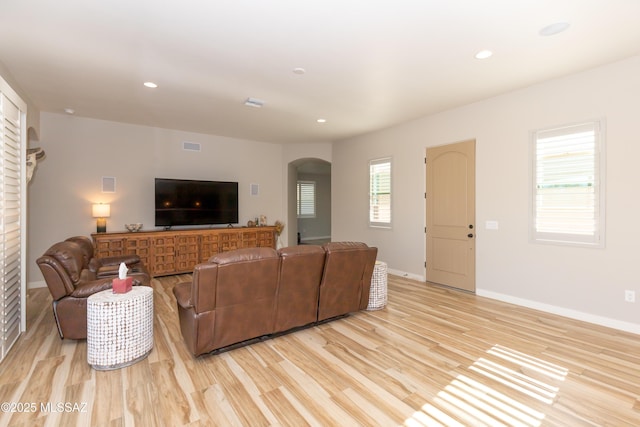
column 279, row 225
column 262, row 220
column 101, row 211
column 133, row 227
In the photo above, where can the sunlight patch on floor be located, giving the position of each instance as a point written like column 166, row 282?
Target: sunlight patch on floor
column 467, row 401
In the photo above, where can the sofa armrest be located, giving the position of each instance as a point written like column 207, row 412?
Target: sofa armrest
column 129, row 260
column 182, row 292
column 86, row 289
column 113, row 262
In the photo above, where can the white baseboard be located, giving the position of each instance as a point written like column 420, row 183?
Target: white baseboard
column 634, row 328
column 405, row 274
column 34, row 285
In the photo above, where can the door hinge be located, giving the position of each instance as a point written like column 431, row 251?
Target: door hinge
column 425, row 264
column 425, row 195
column 425, row 160
column 425, row 230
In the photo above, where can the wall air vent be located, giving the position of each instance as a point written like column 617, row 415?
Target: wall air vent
column 191, row 146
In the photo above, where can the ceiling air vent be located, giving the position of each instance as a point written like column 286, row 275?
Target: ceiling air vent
column 191, row 146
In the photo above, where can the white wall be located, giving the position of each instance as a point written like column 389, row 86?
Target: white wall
column 79, row 152
column 578, row 282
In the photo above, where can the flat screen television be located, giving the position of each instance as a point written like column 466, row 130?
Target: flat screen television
column 192, row 202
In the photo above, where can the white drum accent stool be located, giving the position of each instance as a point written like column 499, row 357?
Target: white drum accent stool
column 378, row 292
column 119, row 327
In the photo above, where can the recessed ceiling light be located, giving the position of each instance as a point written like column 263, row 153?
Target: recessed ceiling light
column 554, row 29
column 299, row 70
column 321, row 120
column 69, row 111
column 484, row 54
column 152, row 85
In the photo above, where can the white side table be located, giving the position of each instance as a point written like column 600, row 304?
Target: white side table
column 119, row 327
column 378, row 292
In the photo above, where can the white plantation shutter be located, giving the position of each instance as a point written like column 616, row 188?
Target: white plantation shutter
column 380, row 192
column 568, row 187
column 12, row 195
column 306, row 199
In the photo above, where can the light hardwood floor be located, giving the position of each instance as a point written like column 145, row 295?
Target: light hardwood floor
column 434, row 356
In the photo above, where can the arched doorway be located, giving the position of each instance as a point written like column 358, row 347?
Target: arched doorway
column 313, row 224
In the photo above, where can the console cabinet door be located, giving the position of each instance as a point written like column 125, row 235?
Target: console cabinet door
column 164, row 255
column 230, row 240
column 249, row 239
column 110, row 246
column 209, row 245
column 187, row 252
column 141, row 246
column 265, row 239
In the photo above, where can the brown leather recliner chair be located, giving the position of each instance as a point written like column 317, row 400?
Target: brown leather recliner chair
column 232, row 298
column 300, row 273
column 346, row 280
column 70, row 283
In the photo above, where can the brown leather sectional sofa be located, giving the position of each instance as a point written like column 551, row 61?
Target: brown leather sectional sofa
column 72, row 274
column 255, row 292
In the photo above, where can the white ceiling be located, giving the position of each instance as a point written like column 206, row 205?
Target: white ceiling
column 369, row 64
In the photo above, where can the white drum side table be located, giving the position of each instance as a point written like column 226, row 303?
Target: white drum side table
column 378, row 292
column 119, row 327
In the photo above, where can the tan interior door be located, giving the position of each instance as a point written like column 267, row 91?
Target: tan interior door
column 451, row 228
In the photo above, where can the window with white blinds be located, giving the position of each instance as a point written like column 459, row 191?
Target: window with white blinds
column 568, row 185
column 11, row 196
column 12, row 217
column 380, row 192
column 306, row 199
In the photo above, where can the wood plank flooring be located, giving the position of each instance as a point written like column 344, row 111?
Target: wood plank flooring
column 433, row 357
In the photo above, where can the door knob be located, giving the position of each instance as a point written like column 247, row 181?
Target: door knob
column 470, row 235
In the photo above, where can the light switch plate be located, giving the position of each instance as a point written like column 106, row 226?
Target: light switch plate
column 491, row 225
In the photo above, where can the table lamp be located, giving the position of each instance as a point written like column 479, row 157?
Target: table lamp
column 102, row 211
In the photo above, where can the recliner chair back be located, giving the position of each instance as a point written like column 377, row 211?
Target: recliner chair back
column 346, row 280
column 300, row 275
column 245, row 294
column 62, row 266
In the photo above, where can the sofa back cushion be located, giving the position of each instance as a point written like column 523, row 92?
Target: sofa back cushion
column 346, row 278
column 62, row 268
column 300, row 274
column 86, row 245
column 245, row 289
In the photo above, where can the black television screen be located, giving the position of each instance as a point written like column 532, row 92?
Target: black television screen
column 191, row 202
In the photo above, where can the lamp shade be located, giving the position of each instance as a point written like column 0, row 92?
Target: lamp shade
column 101, row 210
